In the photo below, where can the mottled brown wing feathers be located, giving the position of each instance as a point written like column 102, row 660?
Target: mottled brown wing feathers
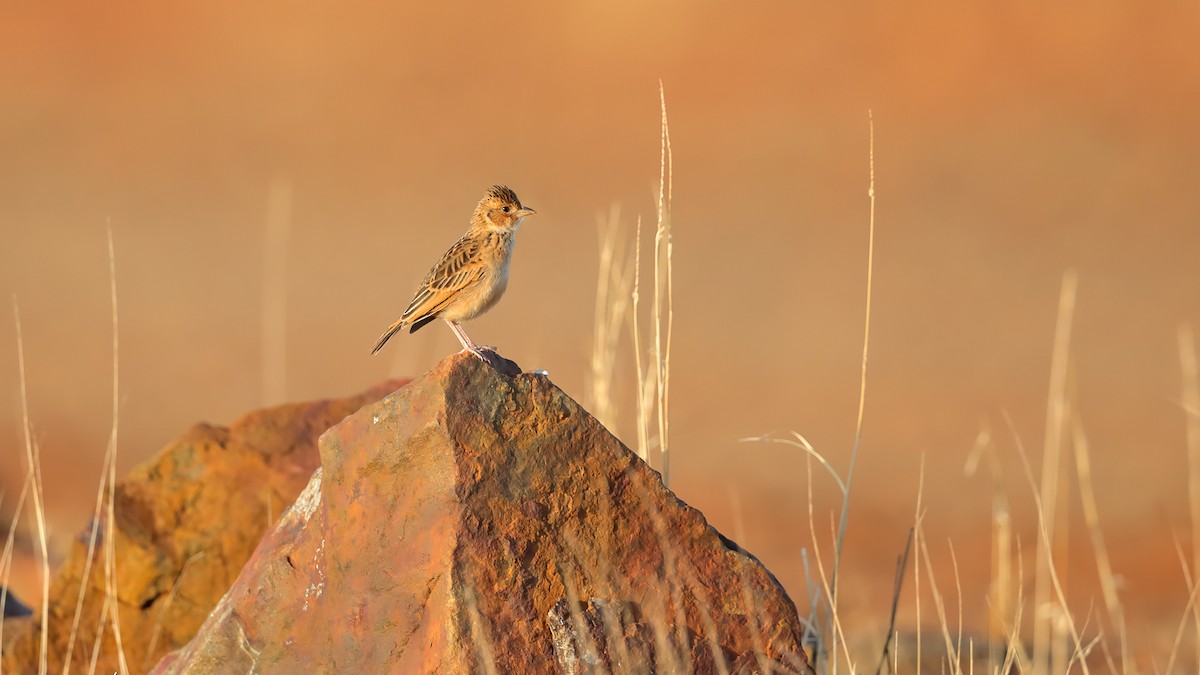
column 449, row 272
column 459, row 268
column 453, row 272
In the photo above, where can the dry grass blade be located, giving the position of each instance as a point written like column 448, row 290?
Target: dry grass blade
column 1091, row 516
column 803, row 444
column 1051, row 460
column 104, row 611
column 1013, row 652
column 99, row 513
column 940, row 606
column 1000, row 593
column 815, row 637
column 165, row 607
column 1193, row 589
column 664, row 293
column 837, row 635
column 958, row 591
column 613, row 285
column 110, row 558
column 7, row 558
column 897, row 586
column 916, row 530
column 645, row 385
column 843, row 519
column 39, row 504
column 1190, row 386
column 1049, row 568
column 94, row 530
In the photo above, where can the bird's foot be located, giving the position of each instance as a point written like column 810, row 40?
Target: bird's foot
column 490, row 356
column 487, row 354
column 484, row 353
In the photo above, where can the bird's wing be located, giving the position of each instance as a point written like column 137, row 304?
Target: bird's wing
column 459, row 268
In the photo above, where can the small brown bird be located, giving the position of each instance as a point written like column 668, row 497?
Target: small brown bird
column 473, row 274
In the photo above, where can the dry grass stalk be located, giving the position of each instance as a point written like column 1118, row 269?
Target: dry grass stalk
column 1014, row 652
column 645, row 381
column 1067, row 627
column 613, row 285
column 664, row 293
column 1000, row 592
column 165, row 607
column 104, row 613
column 102, row 508
column 918, row 513
column 820, row 596
column 958, row 591
column 1051, row 461
column 6, row 559
column 1193, row 589
column 1091, row 516
column 940, row 606
column 85, row 578
column 830, row 585
column 836, row 634
column 33, row 460
column 1190, row 386
column 843, row 520
column 897, row 588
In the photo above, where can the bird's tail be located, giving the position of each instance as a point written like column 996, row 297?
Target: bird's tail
column 387, row 335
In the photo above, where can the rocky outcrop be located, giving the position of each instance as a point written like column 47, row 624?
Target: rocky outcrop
column 186, row 522
column 475, row 522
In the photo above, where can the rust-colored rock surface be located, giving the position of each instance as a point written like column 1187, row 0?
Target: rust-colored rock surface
column 186, row 522
column 475, row 522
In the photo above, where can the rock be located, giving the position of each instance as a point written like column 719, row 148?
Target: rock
column 475, row 522
column 186, row 522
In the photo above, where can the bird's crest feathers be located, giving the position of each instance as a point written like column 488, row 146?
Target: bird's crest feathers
column 503, row 193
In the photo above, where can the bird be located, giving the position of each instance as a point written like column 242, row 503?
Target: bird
column 472, row 275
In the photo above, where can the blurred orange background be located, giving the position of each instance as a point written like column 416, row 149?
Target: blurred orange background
column 1014, row 141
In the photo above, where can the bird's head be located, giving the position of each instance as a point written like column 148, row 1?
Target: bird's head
column 500, row 210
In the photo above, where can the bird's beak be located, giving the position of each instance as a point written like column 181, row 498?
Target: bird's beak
column 525, row 211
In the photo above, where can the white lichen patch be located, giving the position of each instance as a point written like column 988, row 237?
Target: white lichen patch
column 308, row 501
column 316, row 588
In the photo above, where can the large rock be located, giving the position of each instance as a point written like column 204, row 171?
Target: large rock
column 186, row 522
column 473, row 522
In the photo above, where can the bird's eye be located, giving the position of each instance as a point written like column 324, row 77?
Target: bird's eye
column 506, row 209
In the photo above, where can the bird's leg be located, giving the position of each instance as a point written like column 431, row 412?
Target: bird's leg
column 467, row 343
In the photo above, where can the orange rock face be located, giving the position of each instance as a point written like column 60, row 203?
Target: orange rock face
column 186, row 522
column 475, row 522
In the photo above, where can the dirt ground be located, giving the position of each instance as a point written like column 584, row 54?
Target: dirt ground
column 1014, row 142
